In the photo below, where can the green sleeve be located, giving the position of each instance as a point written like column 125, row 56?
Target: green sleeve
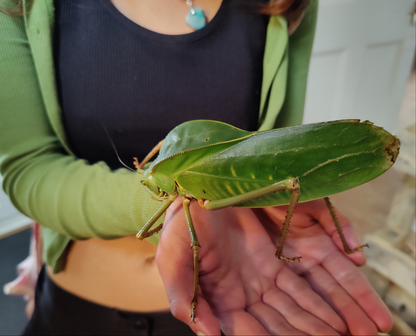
column 299, row 50
column 59, row 191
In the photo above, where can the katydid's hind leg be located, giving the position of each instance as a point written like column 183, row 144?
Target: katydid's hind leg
column 293, row 202
column 195, row 247
column 148, row 156
column 338, row 225
column 248, row 196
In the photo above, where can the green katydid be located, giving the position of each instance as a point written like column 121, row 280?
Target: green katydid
column 220, row 166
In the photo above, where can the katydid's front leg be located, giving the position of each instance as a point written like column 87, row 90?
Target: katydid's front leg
column 195, row 246
column 288, row 184
column 144, row 232
column 148, row 156
column 338, row 225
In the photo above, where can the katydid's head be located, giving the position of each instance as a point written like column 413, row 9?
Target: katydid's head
column 150, row 183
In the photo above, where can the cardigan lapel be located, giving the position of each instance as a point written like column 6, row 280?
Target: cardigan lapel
column 39, row 22
column 275, row 65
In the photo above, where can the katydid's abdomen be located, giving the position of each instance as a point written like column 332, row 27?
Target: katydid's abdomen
column 327, row 158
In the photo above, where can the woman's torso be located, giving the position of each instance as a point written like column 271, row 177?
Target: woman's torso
column 122, row 273
column 118, row 273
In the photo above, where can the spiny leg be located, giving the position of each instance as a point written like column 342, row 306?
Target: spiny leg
column 288, row 184
column 152, row 232
column 195, row 246
column 250, row 195
column 293, row 202
column 144, row 232
column 338, row 225
column 148, row 156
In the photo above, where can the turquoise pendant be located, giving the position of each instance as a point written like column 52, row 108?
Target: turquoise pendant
column 195, row 18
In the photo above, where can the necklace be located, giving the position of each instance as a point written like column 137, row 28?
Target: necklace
column 196, row 17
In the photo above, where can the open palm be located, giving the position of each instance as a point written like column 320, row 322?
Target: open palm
column 245, row 289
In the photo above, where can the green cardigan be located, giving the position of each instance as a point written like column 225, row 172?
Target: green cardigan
column 75, row 200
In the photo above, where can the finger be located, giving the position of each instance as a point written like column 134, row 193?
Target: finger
column 272, row 321
column 358, row 287
column 325, row 218
column 300, row 291
column 324, row 283
column 295, row 315
column 243, row 322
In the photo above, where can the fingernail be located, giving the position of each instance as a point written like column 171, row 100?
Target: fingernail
column 200, row 333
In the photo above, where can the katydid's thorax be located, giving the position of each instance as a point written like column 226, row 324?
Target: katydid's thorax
column 185, row 146
column 159, row 184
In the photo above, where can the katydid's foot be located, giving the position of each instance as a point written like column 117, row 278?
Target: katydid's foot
column 136, row 163
column 288, row 259
column 192, row 315
column 359, row 248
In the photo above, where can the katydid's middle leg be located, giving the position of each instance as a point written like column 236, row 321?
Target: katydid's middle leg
column 288, row 184
column 293, row 202
column 144, row 232
column 195, row 247
column 338, row 225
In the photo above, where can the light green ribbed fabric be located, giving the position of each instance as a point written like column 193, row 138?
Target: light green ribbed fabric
column 70, row 198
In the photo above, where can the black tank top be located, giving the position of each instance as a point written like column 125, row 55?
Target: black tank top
column 117, row 76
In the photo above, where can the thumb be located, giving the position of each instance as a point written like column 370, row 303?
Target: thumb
column 174, row 259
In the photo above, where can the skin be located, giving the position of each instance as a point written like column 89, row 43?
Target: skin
column 164, row 16
column 247, row 290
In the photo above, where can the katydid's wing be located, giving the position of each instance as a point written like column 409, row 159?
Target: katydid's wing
column 193, row 135
column 196, row 134
column 327, row 158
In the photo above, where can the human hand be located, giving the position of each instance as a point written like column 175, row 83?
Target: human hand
column 326, row 267
column 245, row 288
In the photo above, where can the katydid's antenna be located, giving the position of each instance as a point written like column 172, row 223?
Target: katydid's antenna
column 115, row 149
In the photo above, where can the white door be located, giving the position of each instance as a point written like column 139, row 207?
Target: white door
column 362, row 57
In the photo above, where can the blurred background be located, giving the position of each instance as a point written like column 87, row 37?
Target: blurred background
column 362, row 67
